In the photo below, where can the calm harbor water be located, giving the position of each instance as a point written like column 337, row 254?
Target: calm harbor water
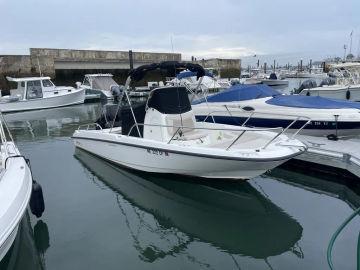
column 99, row 216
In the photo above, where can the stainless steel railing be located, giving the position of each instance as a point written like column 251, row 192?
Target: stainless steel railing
column 252, row 113
column 242, row 132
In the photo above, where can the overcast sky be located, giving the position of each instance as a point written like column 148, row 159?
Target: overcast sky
column 227, row 28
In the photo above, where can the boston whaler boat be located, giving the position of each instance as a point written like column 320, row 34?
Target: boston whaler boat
column 262, row 106
column 162, row 136
column 15, row 190
column 35, row 93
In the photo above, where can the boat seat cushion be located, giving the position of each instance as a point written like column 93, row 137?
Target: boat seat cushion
column 187, row 123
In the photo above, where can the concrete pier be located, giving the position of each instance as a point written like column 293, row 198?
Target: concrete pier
column 50, row 60
column 69, row 63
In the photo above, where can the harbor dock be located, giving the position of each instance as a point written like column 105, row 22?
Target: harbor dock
column 329, row 156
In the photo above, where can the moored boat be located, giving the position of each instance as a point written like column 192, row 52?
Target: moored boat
column 262, row 106
column 162, row 136
column 99, row 84
column 35, row 93
column 15, row 191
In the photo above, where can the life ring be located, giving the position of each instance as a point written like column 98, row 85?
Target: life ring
column 348, row 94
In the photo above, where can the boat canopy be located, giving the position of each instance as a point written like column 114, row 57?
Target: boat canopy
column 240, row 92
column 313, row 102
column 138, row 73
column 103, row 82
column 187, row 74
column 273, row 76
column 99, row 75
column 169, row 100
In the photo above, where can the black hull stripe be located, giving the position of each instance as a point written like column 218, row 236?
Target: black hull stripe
column 272, row 123
column 194, row 154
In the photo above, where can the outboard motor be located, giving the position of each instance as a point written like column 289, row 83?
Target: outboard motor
column 328, row 81
column 116, row 91
column 123, row 117
column 273, row 76
column 307, row 84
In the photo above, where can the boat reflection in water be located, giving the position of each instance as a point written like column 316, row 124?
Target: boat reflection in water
column 347, row 190
column 164, row 215
column 29, row 247
column 63, row 121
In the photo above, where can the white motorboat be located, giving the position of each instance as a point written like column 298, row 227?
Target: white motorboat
column 15, row 190
column 345, row 85
column 272, row 80
column 208, row 83
column 102, row 84
column 262, row 106
column 337, row 91
column 162, row 136
column 35, row 93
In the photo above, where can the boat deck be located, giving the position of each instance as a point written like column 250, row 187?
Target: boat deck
column 342, row 154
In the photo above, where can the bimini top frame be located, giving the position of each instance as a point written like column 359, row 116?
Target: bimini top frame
column 139, row 73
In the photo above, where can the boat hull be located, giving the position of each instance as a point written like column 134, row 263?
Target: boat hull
column 152, row 159
column 351, row 93
column 275, row 82
column 15, row 191
column 314, row 128
column 75, row 97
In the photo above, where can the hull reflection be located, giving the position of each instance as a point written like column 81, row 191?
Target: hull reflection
column 51, row 122
column 233, row 217
column 26, row 252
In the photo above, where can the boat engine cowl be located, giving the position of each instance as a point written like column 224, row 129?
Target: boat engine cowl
column 307, row 84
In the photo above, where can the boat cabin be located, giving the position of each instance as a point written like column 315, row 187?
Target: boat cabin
column 99, row 81
column 34, row 88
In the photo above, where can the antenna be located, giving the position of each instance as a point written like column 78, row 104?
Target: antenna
column 172, row 44
column 351, row 35
column 39, row 67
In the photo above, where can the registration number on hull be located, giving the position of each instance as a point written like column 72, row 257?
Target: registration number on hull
column 157, row 152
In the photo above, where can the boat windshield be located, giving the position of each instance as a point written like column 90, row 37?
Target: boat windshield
column 103, row 83
column 47, row 83
column 33, row 90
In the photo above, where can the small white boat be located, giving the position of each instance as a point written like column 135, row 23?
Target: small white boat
column 344, row 85
column 162, row 136
column 344, row 92
column 102, row 84
column 15, row 191
column 35, row 93
column 274, row 81
column 208, row 83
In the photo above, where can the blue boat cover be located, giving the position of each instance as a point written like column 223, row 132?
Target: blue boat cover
column 187, row 73
column 312, row 102
column 241, row 92
column 246, row 92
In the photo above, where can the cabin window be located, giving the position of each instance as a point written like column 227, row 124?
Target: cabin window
column 33, row 90
column 47, row 83
column 86, row 82
column 22, row 84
